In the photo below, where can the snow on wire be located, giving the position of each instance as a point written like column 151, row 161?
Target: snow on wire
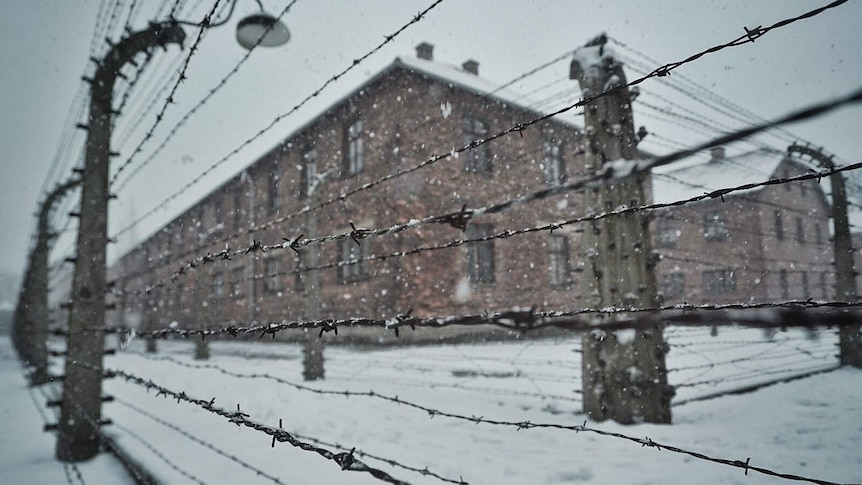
column 348, row 462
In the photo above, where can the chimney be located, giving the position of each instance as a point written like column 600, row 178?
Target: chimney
column 717, row 153
column 425, row 51
column 471, row 66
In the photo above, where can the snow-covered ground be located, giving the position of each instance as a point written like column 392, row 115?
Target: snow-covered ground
column 27, row 452
column 808, row 427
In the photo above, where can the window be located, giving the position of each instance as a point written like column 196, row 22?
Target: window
column 272, row 278
column 237, row 208
column 354, row 268
column 180, row 300
column 718, row 281
column 714, row 226
column 476, row 159
column 806, row 292
column 480, row 255
column 779, row 225
column 217, row 286
column 673, row 285
column 353, row 147
column 237, row 285
column 818, row 236
column 309, row 172
column 559, row 265
column 298, row 280
column 668, row 234
column 552, row 161
column 782, row 283
column 800, row 231
column 823, row 287
column 272, row 193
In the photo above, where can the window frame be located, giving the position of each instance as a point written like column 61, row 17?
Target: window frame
column 237, row 278
column 350, row 251
column 552, row 162
column 666, row 225
column 800, row 231
column 478, row 158
column 218, row 286
column 354, row 149
column 778, row 225
column 481, row 260
column 309, row 171
column 675, row 280
column 559, row 262
column 272, row 278
column 715, row 226
column 718, row 281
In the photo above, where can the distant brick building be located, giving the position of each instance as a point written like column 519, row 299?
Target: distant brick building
column 412, row 109
column 765, row 244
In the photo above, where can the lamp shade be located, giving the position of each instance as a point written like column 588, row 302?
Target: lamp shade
column 251, row 28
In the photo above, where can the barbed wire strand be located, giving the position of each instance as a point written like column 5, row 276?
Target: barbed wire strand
column 241, row 418
column 459, row 218
column 387, row 39
column 662, row 71
column 194, row 108
column 346, row 461
column 204, row 26
column 261, row 472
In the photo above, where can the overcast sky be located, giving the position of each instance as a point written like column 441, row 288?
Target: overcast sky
column 46, row 44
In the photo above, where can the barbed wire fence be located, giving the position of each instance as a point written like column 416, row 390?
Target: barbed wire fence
column 806, row 314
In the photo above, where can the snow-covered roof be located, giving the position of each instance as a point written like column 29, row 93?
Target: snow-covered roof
column 457, row 76
column 672, row 184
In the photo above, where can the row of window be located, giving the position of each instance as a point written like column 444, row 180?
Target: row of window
column 353, row 266
column 715, row 229
column 723, row 281
column 477, row 159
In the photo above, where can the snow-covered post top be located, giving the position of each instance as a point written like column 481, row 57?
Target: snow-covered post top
column 607, row 119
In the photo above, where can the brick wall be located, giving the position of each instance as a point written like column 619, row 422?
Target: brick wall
column 406, row 117
column 766, row 266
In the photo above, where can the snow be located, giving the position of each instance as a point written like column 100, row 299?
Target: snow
column 808, row 427
column 27, row 452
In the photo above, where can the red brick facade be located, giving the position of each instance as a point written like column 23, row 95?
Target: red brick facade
column 714, row 251
column 768, row 244
column 407, row 114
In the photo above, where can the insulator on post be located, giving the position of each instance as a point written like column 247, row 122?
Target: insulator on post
column 53, row 403
column 87, row 80
column 74, row 214
column 82, row 126
column 51, row 427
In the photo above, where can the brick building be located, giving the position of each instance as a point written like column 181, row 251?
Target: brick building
column 407, row 112
column 765, row 244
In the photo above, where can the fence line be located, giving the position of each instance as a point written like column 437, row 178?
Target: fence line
column 348, row 462
column 460, row 219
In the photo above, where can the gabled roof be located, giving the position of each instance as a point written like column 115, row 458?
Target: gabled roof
column 471, row 82
column 670, row 184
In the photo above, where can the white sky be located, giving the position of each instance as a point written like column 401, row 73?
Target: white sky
column 45, row 46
